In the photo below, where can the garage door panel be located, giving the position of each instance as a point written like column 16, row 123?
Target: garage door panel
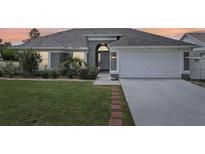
column 149, row 65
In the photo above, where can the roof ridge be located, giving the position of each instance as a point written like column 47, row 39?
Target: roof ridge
column 131, row 37
column 159, row 36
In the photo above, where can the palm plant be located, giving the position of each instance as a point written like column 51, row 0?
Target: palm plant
column 73, row 63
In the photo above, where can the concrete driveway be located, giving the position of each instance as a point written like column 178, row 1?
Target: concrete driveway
column 165, row 102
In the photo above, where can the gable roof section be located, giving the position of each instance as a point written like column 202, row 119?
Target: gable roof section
column 139, row 38
column 198, row 36
column 77, row 39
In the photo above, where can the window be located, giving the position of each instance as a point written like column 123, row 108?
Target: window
column 44, row 63
column 80, row 55
column 103, row 48
column 186, row 61
column 202, row 55
column 113, row 61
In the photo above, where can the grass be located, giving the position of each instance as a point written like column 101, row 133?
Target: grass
column 127, row 117
column 55, row 103
column 199, row 83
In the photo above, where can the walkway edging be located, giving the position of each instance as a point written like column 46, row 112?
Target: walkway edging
column 116, row 113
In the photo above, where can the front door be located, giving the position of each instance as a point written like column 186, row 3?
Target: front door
column 104, row 61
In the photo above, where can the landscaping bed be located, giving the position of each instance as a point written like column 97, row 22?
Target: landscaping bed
column 27, row 66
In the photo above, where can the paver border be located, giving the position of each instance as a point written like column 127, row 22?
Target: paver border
column 116, row 112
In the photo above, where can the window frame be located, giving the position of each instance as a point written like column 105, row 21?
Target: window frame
column 185, row 67
column 116, row 62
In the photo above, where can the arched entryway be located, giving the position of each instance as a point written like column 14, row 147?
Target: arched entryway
column 102, row 57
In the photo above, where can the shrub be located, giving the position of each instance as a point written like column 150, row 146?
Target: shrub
column 92, row 73
column 9, row 69
column 46, row 74
column 1, row 72
column 63, row 71
column 88, row 73
column 37, row 73
column 25, row 74
column 83, row 73
column 9, row 54
column 71, row 74
column 29, row 60
column 55, row 73
column 73, row 64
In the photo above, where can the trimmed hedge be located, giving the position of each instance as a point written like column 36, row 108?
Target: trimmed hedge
column 88, row 73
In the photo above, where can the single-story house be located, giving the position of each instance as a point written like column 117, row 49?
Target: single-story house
column 124, row 52
column 197, row 55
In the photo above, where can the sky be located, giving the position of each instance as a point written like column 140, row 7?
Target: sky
column 16, row 35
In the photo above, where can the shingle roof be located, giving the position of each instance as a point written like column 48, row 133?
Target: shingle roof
column 76, row 38
column 199, row 36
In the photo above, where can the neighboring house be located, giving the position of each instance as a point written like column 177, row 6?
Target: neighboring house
column 125, row 53
column 197, row 56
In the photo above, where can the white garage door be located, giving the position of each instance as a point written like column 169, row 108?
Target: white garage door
column 149, row 64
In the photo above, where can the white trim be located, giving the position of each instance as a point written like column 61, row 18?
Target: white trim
column 185, row 72
column 117, row 59
column 185, row 35
column 54, row 51
column 86, row 57
column 49, row 60
column 199, row 49
column 150, row 47
column 102, row 38
column 196, row 57
column 52, row 48
column 197, row 40
column 183, row 62
column 87, row 35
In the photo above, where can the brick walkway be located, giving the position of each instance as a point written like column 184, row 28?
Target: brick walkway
column 116, row 114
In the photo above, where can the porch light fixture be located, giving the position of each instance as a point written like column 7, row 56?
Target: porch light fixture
column 113, row 57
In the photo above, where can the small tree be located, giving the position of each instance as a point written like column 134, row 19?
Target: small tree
column 4, row 46
column 34, row 33
column 1, row 47
column 7, row 44
column 9, row 54
column 29, row 60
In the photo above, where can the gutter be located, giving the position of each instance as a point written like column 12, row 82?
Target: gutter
column 52, row 48
column 195, row 57
column 152, row 47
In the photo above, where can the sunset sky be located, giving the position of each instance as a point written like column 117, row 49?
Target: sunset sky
column 16, row 35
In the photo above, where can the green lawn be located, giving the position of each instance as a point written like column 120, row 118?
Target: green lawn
column 127, row 117
column 55, row 103
column 199, row 83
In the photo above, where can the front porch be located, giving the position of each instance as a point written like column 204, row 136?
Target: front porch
column 104, row 79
